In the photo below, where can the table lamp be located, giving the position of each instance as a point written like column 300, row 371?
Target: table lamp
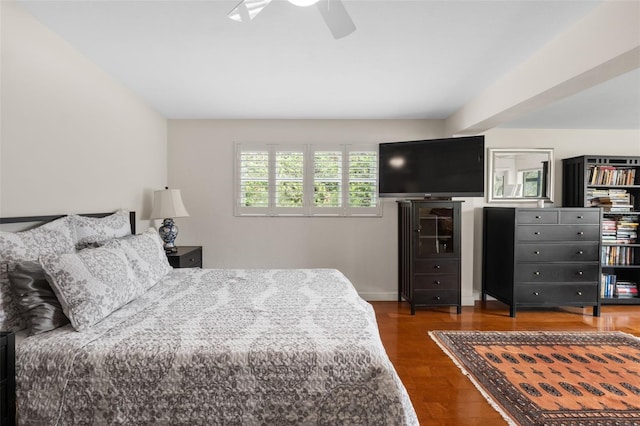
column 167, row 204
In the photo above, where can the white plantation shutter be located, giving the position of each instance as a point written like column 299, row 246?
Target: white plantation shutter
column 253, row 181
column 363, row 181
column 310, row 180
column 327, row 181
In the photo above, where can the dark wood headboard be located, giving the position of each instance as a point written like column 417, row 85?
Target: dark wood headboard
column 44, row 219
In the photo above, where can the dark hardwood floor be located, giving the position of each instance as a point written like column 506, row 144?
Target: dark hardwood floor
column 440, row 393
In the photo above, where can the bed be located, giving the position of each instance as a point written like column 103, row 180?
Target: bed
column 197, row 346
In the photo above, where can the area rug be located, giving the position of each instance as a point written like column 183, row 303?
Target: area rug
column 552, row 378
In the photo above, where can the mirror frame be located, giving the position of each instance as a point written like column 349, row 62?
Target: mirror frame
column 490, row 177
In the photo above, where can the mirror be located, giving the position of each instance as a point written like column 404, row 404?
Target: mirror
column 517, row 175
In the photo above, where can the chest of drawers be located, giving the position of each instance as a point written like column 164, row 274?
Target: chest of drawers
column 541, row 257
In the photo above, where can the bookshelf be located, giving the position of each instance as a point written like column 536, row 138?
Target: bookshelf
column 612, row 184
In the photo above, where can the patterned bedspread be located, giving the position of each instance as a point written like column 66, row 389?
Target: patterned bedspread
column 232, row 347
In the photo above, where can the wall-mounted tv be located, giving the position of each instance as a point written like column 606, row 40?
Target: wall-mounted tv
column 435, row 168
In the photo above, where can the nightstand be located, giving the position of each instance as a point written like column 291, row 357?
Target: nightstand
column 186, row 257
column 7, row 378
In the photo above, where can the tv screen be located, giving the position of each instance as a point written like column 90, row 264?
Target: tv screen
column 451, row 167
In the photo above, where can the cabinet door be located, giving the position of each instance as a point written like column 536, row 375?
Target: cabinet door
column 435, row 231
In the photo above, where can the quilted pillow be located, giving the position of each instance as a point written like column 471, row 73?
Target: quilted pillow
column 51, row 238
column 92, row 283
column 146, row 256
column 39, row 304
column 95, row 230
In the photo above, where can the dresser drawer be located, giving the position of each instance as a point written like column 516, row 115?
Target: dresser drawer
column 436, row 266
column 558, row 273
column 589, row 217
column 435, row 281
column 435, row 297
column 558, row 233
column 537, row 216
column 545, row 252
column 557, row 295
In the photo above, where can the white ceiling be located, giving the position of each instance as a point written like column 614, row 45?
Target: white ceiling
column 407, row 59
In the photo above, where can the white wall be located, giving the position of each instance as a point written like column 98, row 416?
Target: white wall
column 201, row 165
column 73, row 139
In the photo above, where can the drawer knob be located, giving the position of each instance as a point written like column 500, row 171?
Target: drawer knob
column 191, row 260
column 536, row 252
column 580, row 216
column 579, row 293
column 437, row 297
column 535, row 293
column 536, row 273
column 536, row 233
column 580, row 252
column 538, row 217
column 580, row 272
column 436, row 282
column 436, row 267
column 581, row 233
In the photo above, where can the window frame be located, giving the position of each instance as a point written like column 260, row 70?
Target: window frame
column 308, row 208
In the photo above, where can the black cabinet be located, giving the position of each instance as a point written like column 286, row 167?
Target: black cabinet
column 186, row 257
column 7, row 378
column 541, row 257
column 429, row 253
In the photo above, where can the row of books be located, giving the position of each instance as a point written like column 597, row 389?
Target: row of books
column 611, row 287
column 610, row 200
column 610, row 175
column 621, row 229
column 618, row 255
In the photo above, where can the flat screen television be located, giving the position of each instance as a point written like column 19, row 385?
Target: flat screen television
column 435, row 168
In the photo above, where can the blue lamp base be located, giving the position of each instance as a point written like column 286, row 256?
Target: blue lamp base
column 168, row 232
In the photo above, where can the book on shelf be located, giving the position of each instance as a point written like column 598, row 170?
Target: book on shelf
column 607, row 285
column 618, row 256
column 625, row 289
column 610, row 200
column 612, row 287
column 611, row 175
column 620, row 230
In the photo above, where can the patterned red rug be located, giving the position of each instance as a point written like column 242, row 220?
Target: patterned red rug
column 552, row 378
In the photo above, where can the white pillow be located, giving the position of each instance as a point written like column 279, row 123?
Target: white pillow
column 146, row 256
column 51, row 238
column 92, row 283
column 93, row 230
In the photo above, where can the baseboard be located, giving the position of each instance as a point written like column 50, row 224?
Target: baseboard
column 379, row 296
column 393, row 297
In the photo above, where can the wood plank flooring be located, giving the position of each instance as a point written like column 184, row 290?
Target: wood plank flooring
column 440, row 393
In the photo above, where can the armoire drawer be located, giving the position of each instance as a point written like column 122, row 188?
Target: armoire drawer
column 436, row 297
column 545, row 252
column 558, row 233
column 435, row 281
column 558, row 273
column 556, row 294
column 436, row 266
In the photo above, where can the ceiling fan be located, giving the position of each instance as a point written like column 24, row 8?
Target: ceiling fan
column 333, row 12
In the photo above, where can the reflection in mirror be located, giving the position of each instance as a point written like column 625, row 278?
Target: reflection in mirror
column 520, row 174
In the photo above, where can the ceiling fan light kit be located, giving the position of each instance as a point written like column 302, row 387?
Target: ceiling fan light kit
column 333, row 12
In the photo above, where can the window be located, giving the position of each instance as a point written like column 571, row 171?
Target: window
column 306, row 180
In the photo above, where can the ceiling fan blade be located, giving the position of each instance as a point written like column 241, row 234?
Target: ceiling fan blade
column 246, row 10
column 336, row 17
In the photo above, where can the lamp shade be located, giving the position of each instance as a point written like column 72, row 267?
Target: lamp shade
column 167, row 203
